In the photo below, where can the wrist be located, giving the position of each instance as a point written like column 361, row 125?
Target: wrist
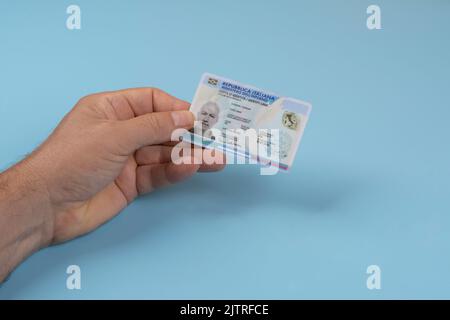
column 26, row 209
column 29, row 183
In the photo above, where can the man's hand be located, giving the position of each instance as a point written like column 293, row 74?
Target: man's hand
column 109, row 149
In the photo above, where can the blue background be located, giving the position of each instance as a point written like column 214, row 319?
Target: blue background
column 370, row 184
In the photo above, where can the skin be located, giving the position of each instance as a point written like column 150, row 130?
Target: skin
column 109, row 149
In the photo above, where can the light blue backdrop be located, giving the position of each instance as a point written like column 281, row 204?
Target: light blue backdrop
column 370, row 185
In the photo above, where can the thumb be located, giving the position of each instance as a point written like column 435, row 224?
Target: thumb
column 153, row 128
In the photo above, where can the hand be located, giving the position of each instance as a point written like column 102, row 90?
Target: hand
column 109, row 149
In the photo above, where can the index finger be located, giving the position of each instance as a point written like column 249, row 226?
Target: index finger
column 146, row 100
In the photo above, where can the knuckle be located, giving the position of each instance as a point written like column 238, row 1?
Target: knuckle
column 155, row 91
column 155, row 123
column 89, row 99
column 86, row 99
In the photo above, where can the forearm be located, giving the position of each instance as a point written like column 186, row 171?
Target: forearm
column 25, row 216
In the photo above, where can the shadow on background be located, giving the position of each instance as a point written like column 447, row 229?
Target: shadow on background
column 313, row 191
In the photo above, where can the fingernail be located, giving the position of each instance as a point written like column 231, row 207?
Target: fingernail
column 183, row 118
